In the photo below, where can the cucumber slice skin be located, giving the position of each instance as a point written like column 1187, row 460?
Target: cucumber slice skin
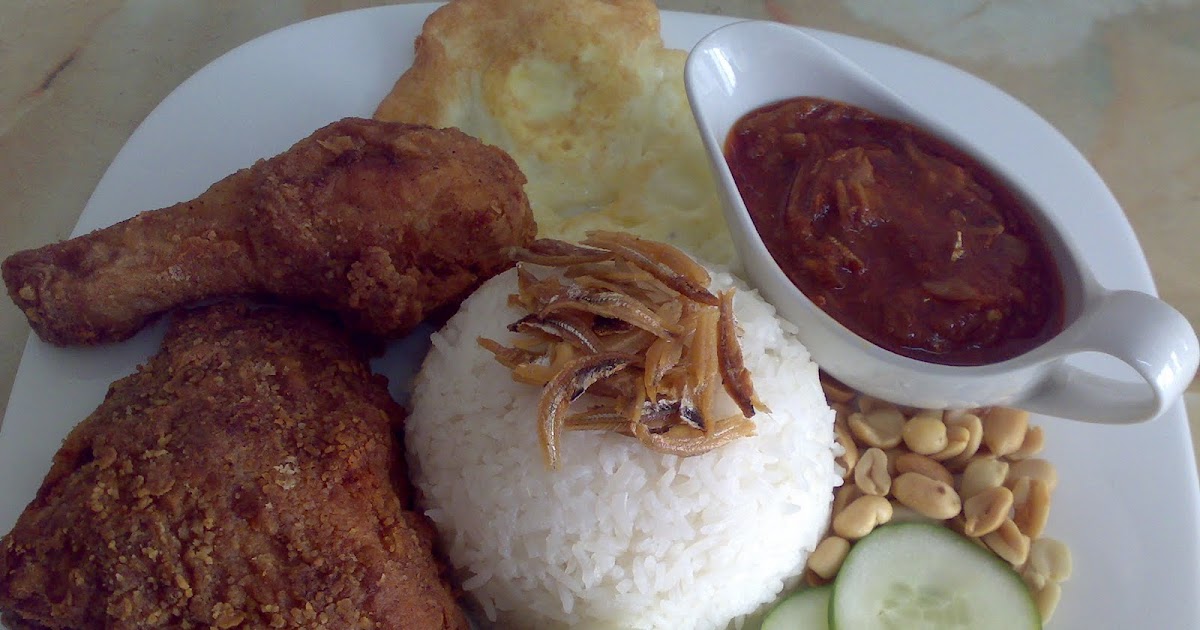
column 806, row 609
column 927, row 567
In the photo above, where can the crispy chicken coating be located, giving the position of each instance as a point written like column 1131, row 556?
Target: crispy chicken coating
column 380, row 222
column 247, row 476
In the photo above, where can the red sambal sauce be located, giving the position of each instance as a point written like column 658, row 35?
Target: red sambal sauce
column 898, row 235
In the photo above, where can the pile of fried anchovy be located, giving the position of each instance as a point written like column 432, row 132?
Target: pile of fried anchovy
column 631, row 324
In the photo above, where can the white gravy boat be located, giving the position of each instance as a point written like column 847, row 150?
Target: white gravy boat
column 746, row 65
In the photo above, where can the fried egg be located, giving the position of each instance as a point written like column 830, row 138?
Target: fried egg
column 587, row 100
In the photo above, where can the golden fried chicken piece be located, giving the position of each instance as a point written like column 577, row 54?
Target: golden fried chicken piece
column 381, row 222
column 247, row 476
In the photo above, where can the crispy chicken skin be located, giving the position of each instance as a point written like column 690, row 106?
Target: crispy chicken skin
column 380, row 222
column 248, row 475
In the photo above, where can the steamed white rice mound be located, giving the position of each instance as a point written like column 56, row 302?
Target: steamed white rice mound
column 619, row 536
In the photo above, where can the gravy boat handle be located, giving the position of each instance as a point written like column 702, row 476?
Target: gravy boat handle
column 1142, row 332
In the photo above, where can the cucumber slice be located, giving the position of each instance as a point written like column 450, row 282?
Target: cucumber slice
column 803, row 610
column 914, row 576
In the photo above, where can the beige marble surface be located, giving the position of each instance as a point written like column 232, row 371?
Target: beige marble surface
column 1120, row 78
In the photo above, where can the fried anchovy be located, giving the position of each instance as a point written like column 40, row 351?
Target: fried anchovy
column 670, row 256
column 734, row 375
column 634, row 341
column 660, row 415
column 506, row 356
column 604, row 326
column 703, row 370
column 609, row 304
column 569, row 327
column 663, row 272
column 534, row 294
column 689, row 411
column 661, row 356
column 555, row 253
column 599, row 418
column 685, row 441
column 570, row 383
column 619, row 387
column 541, row 370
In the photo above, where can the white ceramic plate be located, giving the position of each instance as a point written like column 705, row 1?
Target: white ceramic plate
column 1127, row 503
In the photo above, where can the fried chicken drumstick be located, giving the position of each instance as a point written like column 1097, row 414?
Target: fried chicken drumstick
column 248, row 475
column 380, row 222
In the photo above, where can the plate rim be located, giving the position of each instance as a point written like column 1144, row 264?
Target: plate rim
column 1176, row 417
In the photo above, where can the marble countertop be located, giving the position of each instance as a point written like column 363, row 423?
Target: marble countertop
column 1121, row 79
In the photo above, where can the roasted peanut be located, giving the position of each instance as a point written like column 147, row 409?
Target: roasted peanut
column 1034, row 581
column 982, row 473
column 1033, row 468
column 928, row 496
column 1004, row 429
column 974, row 427
column 892, row 455
column 812, row 579
column 1035, row 441
column 849, row 457
column 957, row 439
column 835, row 391
column 827, row 558
column 1046, row 599
column 880, row 428
column 979, row 543
column 954, row 415
column 840, row 413
column 907, row 464
column 1032, row 509
column 867, row 404
column 861, row 516
column 871, row 473
column 958, row 524
column 984, row 512
column 925, row 433
column 1009, row 543
column 1019, row 487
column 914, row 463
column 844, row 496
column 1049, row 559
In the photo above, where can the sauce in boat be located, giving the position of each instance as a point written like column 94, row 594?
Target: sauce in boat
column 896, row 234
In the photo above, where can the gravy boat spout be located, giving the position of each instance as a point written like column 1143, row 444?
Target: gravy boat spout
column 744, row 66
